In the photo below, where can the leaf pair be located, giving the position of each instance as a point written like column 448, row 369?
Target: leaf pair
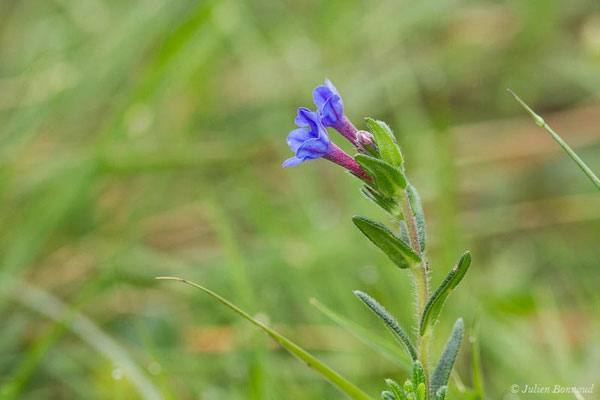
column 436, row 302
column 397, row 250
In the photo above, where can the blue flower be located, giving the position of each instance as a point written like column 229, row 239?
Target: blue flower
column 310, row 141
column 329, row 104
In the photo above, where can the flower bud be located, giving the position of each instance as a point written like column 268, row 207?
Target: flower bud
column 366, row 143
column 365, row 138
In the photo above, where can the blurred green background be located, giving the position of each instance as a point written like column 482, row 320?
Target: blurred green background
column 145, row 138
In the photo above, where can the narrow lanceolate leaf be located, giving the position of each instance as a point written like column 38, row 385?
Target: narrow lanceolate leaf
column 343, row 384
column 418, row 374
column 384, row 138
column 386, row 203
column 441, row 375
column 396, row 389
column 383, row 346
column 389, row 321
column 436, row 302
column 417, row 209
column 397, row 251
column 389, row 179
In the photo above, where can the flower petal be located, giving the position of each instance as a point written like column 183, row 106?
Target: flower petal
column 331, row 87
column 297, row 137
column 290, row 162
column 333, row 111
column 312, row 149
column 320, row 95
column 312, row 119
column 315, row 147
column 301, row 119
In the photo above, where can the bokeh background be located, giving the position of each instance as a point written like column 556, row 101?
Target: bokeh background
column 145, row 138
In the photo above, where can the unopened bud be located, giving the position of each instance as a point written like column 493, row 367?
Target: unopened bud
column 365, row 138
column 365, row 142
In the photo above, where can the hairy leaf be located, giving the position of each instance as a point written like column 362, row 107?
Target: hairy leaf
column 389, row 321
column 396, row 389
column 386, row 203
column 384, row 138
column 418, row 374
column 386, row 348
column 417, row 209
column 387, row 395
column 393, row 247
column 441, row 375
column 387, row 177
column 441, row 393
column 436, row 302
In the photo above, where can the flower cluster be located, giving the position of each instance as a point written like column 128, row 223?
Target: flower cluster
column 311, row 141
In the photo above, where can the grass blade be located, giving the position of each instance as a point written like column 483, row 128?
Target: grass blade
column 343, row 384
column 540, row 121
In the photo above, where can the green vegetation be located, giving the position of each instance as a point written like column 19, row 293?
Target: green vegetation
column 140, row 139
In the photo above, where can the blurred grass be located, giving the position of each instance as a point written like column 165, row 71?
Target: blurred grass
column 145, row 138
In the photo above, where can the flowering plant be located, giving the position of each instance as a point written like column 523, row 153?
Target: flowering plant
column 379, row 165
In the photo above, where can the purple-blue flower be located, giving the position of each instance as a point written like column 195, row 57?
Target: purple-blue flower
column 329, row 103
column 310, row 141
column 331, row 110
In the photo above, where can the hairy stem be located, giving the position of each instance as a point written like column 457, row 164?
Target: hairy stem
column 420, row 273
column 420, row 276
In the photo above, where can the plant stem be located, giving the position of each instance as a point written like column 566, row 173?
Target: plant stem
column 540, row 121
column 420, row 276
column 421, row 272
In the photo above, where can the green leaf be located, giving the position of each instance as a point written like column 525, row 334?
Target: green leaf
column 436, row 302
column 409, row 387
column 386, row 142
column 421, row 390
column 343, row 384
column 441, row 375
column 404, row 234
column 389, row 179
column 441, row 393
column 396, row 389
column 387, row 395
column 397, row 251
column 389, row 321
column 386, row 348
column 386, row 203
column 417, row 210
column 418, row 374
